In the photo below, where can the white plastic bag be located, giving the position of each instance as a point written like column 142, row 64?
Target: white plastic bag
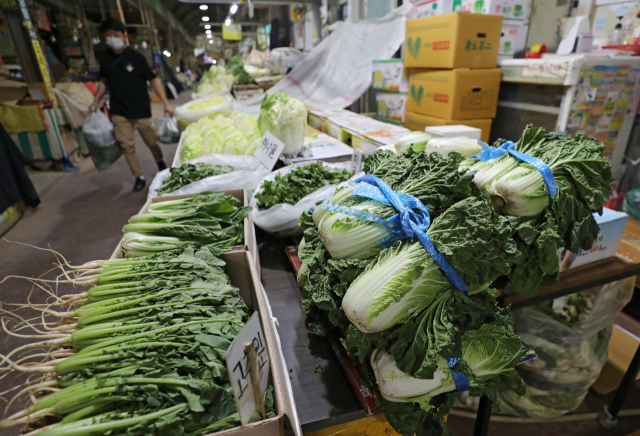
column 282, row 219
column 249, row 173
column 185, row 116
column 101, row 140
column 168, row 131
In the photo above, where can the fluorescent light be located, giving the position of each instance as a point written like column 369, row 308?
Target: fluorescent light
column 207, row 32
column 215, row 61
column 166, row 53
column 208, row 26
column 227, row 22
column 209, row 36
column 204, row 7
column 233, row 9
column 205, row 18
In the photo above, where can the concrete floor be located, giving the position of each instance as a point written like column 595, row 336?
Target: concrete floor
column 81, row 216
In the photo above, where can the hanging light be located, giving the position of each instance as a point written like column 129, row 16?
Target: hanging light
column 208, row 26
column 205, row 18
column 227, row 22
column 166, row 53
column 204, row 7
column 209, row 36
column 207, row 32
column 233, row 9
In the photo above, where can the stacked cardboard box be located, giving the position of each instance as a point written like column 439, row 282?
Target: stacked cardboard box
column 453, row 77
column 391, row 85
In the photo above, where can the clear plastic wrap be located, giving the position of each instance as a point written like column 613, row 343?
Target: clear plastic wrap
column 249, row 173
column 570, row 335
column 100, row 138
column 282, row 219
column 186, row 116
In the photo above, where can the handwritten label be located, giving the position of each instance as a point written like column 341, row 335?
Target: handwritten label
column 238, row 366
column 269, row 150
column 356, row 160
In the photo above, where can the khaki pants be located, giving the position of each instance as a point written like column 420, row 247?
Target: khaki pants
column 124, row 134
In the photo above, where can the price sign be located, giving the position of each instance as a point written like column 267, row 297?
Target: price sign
column 238, row 366
column 356, row 160
column 269, row 150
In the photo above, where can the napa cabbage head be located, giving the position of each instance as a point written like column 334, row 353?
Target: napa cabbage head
column 212, row 143
column 191, row 148
column 285, row 118
column 415, row 140
column 461, row 144
column 193, row 129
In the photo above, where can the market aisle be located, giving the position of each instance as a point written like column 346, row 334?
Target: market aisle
column 82, row 218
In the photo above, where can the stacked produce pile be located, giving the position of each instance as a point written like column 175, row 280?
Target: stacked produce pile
column 237, row 134
column 214, row 81
column 285, row 118
column 141, row 352
column 417, row 305
column 208, row 218
column 187, row 173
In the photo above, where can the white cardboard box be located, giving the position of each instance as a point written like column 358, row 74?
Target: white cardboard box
column 390, row 75
column 515, row 12
column 430, row 8
column 508, row 41
column 391, row 106
column 612, row 225
column 453, row 131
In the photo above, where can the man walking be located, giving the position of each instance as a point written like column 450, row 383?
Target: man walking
column 125, row 72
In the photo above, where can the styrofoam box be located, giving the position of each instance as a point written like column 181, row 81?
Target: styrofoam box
column 249, row 229
column 241, row 270
column 612, row 225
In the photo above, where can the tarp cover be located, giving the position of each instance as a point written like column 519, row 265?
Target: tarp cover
column 339, row 70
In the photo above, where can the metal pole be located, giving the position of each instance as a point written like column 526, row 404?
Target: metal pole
column 104, row 17
column 483, row 418
column 609, row 418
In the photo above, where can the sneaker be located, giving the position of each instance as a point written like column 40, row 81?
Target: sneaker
column 139, row 184
column 161, row 165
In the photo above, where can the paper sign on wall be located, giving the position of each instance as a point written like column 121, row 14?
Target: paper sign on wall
column 269, row 150
column 238, row 366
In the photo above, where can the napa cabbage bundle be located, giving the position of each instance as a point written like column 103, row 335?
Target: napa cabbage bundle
column 214, row 81
column 285, row 118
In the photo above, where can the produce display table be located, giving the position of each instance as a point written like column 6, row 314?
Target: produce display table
column 324, row 397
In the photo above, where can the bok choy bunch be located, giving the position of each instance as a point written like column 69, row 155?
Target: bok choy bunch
column 206, row 218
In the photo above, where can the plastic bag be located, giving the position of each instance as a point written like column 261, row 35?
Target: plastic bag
column 571, row 336
column 101, row 140
column 224, row 91
column 249, row 173
column 282, row 219
column 168, row 131
column 631, row 204
column 185, row 116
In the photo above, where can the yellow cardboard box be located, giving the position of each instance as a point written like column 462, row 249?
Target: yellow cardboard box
column 460, row 94
column 456, row 40
column 418, row 123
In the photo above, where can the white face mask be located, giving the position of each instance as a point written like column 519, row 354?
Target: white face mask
column 115, row 43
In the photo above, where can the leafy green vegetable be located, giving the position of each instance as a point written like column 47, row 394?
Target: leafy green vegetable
column 235, row 67
column 295, row 185
column 189, row 173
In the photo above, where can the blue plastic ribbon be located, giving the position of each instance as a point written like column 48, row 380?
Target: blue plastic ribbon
column 489, row 153
column 460, row 379
column 406, row 224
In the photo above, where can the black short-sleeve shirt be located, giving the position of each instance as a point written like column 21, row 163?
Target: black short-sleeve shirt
column 127, row 74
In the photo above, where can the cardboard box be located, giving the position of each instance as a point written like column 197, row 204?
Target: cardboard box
column 250, row 243
column 460, row 94
column 622, row 347
column 391, row 106
column 418, row 122
column 515, row 12
column 429, row 8
column 508, row 42
column 612, row 225
column 456, row 40
column 241, row 270
column 390, row 75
